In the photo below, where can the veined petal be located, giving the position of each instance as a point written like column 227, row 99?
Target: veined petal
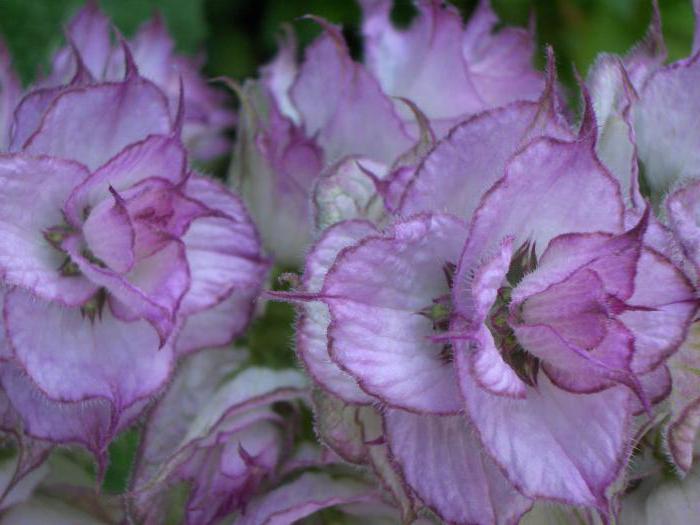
column 554, row 444
column 336, row 97
column 110, row 236
column 223, row 250
column 443, row 462
column 312, row 326
column 90, row 124
column 158, row 156
column 456, row 174
column 375, row 292
column 670, row 297
column 33, row 191
column 304, row 496
column 107, row 372
column 151, row 290
column 532, row 202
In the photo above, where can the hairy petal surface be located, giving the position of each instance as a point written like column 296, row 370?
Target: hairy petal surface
column 312, row 326
column 34, row 189
column 443, row 462
column 94, row 123
column 336, row 97
column 553, row 444
column 375, row 292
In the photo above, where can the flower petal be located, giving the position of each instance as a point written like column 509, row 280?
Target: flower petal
column 553, row 444
column 33, row 191
column 375, row 292
column 682, row 430
column 667, row 136
column 312, row 326
column 532, row 202
column 158, row 156
column 108, row 370
column 456, row 174
column 304, row 496
column 442, row 461
column 336, row 97
column 90, row 124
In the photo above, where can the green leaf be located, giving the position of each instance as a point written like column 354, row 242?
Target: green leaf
column 122, row 453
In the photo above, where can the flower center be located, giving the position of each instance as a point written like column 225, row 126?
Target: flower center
column 524, row 364
column 440, row 311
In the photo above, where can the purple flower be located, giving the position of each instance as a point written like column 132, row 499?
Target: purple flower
column 115, row 258
column 217, row 433
column 450, row 70
column 478, row 337
column 299, row 129
column 649, row 137
column 91, row 55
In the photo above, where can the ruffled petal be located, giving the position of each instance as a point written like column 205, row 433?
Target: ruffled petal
column 671, row 306
column 222, row 439
column 108, row 370
column 553, row 444
column 337, row 97
column 443, row 462
column 152, row 290
column 161, row 157
column 471, row 68
column 533, row 202
column 90, row 125
column 312, row 326
column 376, row 291
column 33, row 191
column 109, row 235
column 456, row 174
column 223, row 251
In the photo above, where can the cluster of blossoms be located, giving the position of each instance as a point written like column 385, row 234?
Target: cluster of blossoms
column 495, row 311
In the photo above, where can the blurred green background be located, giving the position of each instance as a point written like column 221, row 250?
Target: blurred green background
column 238, row 35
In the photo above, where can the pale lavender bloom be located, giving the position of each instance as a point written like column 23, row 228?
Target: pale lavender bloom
column 206, row 116
column 217, row 431
column 115, row 258
column 432, row 316
column 304, row 129
column 650, row 132
column 449, row 70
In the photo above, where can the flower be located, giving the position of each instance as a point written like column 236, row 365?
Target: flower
column 220, row 435
column 475, row 334
column 91, row 55
column 115, row 258
column 298, row 135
